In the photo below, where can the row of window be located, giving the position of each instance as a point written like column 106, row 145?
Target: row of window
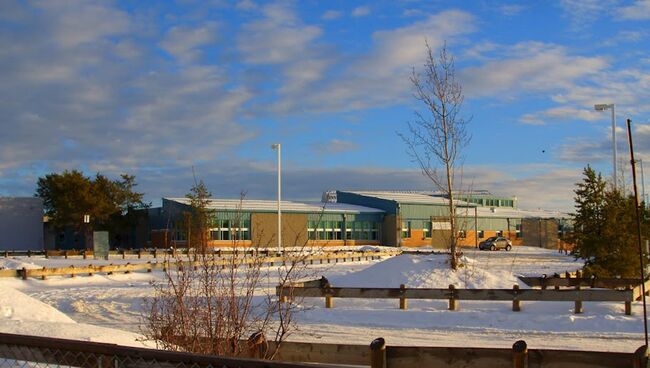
column 333, row 230
column 491, row 202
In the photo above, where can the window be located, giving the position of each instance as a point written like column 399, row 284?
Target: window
column 518, row 231
column 462, row 234
column 500, row 233
column 406, row 229
column 374, row 232
column 481, row 234
column 230, row 230
column 426, row 232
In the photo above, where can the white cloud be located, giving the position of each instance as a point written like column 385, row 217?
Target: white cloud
column 361, row 11
column 380, row 76
column 510, row 10
column 640, row 10
column 530, row 66
column 79, row 22
column 103, row 100
column 331, row 14
column 279, row 37
column 184, row 42
column 335, row 146
column 561, row 113
column 582, row 13
column 246, row 5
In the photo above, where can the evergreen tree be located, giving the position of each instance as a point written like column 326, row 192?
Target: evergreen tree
column 605, row 229
column 70, row 195
column 198, row 219
column 588, row 221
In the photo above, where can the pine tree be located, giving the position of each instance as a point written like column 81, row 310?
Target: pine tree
column 605, row 229
column 588, row 221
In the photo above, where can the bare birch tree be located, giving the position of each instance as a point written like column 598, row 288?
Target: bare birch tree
column 437, row 135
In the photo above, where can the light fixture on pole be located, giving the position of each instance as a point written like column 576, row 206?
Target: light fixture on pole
column 278, row 148
column 603, row 107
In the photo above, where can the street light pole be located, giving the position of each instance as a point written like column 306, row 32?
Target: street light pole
column 603, row 107
column 278, row 148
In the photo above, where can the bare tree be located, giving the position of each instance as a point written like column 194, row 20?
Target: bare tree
column 212, row 304
column 438, row 134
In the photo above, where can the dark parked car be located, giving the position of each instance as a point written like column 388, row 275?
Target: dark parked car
column 494, row 243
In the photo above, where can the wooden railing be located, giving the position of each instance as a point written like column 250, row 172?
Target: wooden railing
column 323, row 289
column 156, row 252
column 378, row 354
column 72, row 271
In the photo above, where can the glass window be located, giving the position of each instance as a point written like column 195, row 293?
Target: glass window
column 406, row 229
column 481, row 234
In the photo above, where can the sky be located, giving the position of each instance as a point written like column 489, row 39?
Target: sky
column 164, row 89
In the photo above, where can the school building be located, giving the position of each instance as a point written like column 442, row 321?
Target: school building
column 342, row 218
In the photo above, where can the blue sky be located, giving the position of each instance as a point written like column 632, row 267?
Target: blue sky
column 153, row 89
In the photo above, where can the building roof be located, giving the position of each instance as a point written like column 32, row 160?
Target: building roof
column 420, row 197
column 503, row 212
column 412, row 197
column 287, row 206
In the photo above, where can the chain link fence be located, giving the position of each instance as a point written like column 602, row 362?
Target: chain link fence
column 34, row 351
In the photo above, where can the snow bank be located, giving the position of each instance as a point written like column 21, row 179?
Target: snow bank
column 22, row 314
column 427, row 271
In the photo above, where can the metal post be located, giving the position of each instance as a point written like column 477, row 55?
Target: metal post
column 642, row 183
column 476, row 226
column 638, row 227
column 278, row 148
column 613, row 107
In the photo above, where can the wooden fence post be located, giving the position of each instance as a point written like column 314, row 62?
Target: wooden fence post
column 640, row 359
column 43, row 277
column 628, row 304
column 402, row 300
column 453, row 305
column 149, row 266
column 257, row 345
column 520, row 354
column 83, row 253
column 378, row 353
column 516, row 304
column 578, row 303
column 24, row 273
column 65, row 254
column 155, row 253
column 329, row 303
column 72, row 274
column 91, row 268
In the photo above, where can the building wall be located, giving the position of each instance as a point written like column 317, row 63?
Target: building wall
column 21, row 223
column 390, row 230
column 540, row 233
column 265, row 225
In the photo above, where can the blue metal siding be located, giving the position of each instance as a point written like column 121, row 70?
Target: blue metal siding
column 390, row 207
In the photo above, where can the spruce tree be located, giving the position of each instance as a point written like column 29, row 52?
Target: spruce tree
column 605, row 229
column 589, row 219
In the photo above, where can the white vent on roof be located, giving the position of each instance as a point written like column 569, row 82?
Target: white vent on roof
column 329, row 196
column 493, row 209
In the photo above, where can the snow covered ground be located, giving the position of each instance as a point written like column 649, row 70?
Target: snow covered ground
column 108, row 307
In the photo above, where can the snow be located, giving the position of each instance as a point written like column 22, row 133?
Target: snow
column 109, row 307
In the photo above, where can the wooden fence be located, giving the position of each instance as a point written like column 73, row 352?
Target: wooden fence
column 51, row 351
column 72, row 271
column 322, row 289
column 158, row 252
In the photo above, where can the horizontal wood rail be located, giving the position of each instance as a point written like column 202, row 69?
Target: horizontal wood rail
column 323, row 258
column 453, row 295
column 377, row 354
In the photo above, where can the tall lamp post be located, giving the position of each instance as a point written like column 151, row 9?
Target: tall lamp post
column 603, row 107
column 278, row 148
